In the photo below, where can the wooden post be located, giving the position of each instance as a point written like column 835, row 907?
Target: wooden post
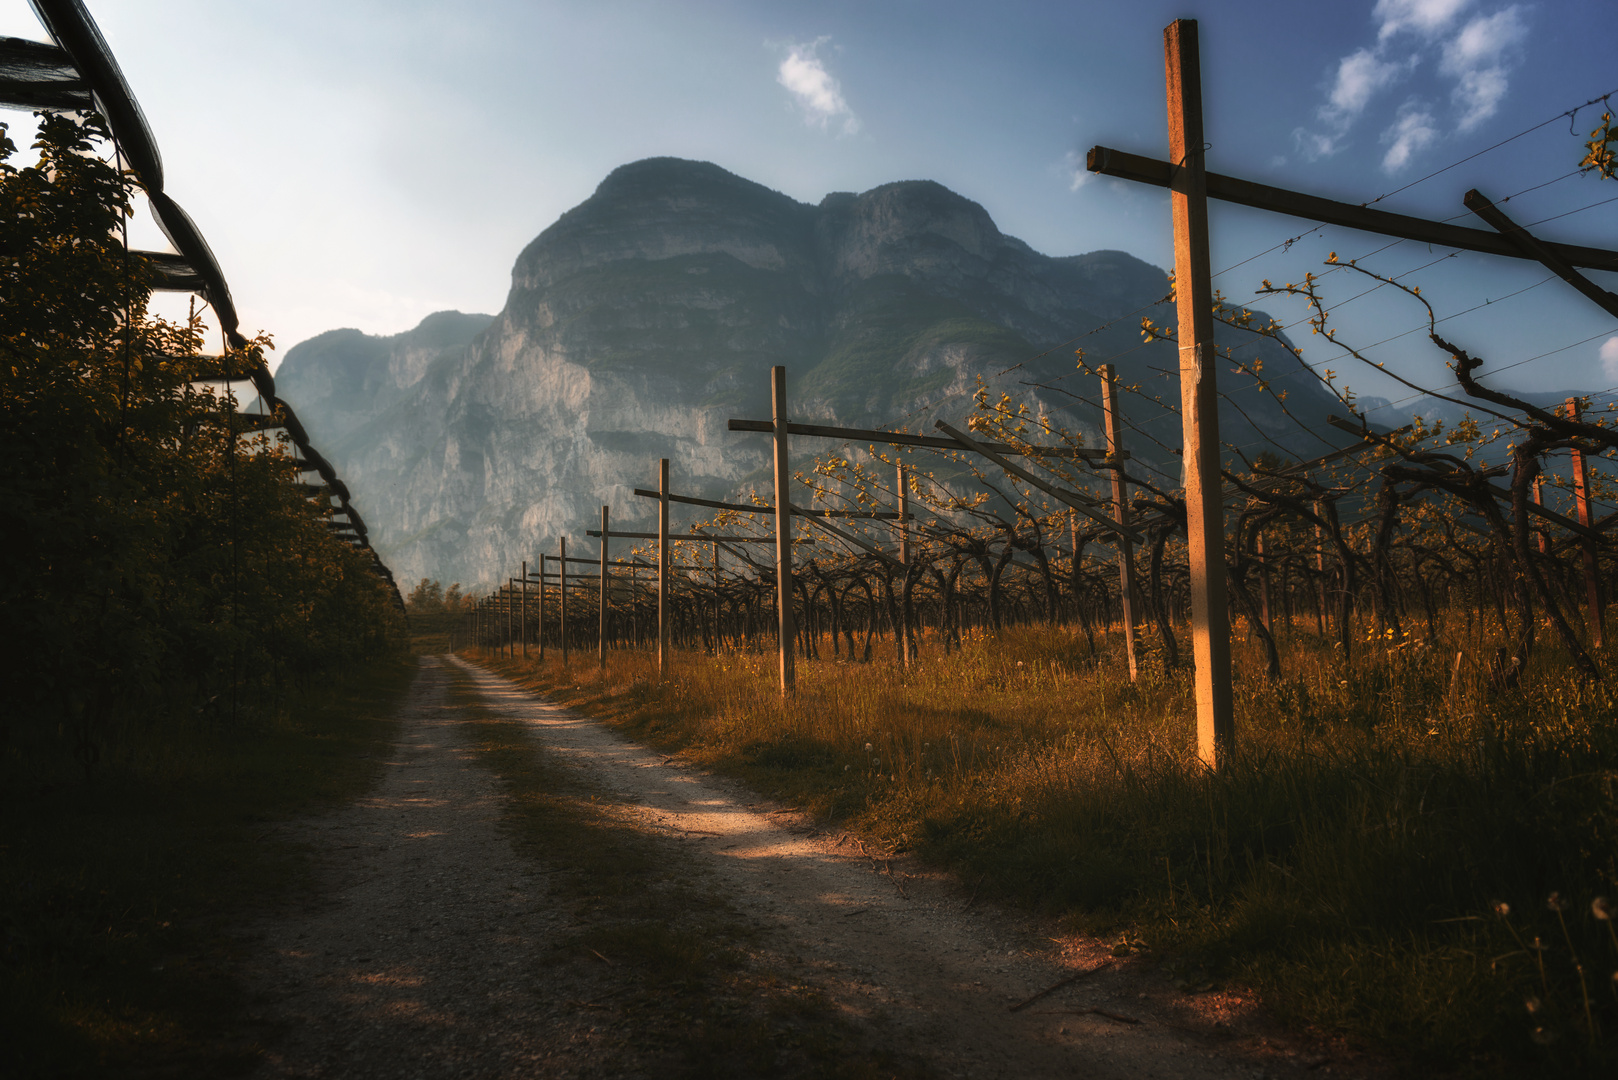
column 511, row 641
column 1581, row 492
column 1120, row 509
column 783, row 528
column 1199, row 397
column 522, row 628
column 1539, row 500
column 663, row 566
column 718, row 610
column 907, row 646
column 1320, row 575
column 543, row 559
column 1263, row 583
column 601, row 597
column 561, row 598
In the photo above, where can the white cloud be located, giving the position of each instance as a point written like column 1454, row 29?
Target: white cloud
column 1359, row 76
column 1478, row 57
column 1411, row 132
column 817, row 93
column 1609, row 357
column 1075, row 169
column 1482, row 40
column 1424, row 17
column 1475, row 59
column 1314, row 146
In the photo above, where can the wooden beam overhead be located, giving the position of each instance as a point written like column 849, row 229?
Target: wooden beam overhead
column 1145, row 170
column 904, row 438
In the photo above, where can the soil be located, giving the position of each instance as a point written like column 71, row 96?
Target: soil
column 431, row 949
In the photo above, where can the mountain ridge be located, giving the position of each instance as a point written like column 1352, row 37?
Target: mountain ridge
column 643, row 318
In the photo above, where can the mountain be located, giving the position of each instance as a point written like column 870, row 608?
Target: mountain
column 650, row 313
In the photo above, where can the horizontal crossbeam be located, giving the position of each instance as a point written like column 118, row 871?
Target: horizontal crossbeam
column 1145, row 170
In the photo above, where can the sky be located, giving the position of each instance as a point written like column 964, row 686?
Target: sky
column 363, row 164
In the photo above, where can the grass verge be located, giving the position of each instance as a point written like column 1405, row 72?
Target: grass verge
column 693, row 982
column 122, row 896
column 1397, row 853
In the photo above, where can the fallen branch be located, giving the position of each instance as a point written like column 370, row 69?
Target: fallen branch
column 1070, row 980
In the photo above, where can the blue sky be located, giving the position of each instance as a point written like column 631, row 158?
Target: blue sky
column 363, row 164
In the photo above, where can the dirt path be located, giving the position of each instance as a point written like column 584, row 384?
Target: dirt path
column 430, row 959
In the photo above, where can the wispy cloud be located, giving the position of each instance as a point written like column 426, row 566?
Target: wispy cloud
column 1609, row 357
column 1413, row 131
column 1076, row 170
column 1476, row 53
column 1476, row 59
column 1424, row 17
column 1360, row 75
column 818, row 94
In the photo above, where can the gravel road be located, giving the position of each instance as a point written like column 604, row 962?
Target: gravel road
column 429, row 953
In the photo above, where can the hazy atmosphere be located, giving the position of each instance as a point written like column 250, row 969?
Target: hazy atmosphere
column 364, row 164
column 699, row 539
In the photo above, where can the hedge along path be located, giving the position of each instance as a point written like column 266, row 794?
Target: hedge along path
column 976, row 991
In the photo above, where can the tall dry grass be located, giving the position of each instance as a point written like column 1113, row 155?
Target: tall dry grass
column 1395, row 851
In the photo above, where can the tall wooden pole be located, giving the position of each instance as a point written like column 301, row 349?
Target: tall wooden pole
column 907, row 647
column 1592, row 578
column 1120, row 509
column 663, row 566
column 601, row 596
column 540, row 633
column 1539, row 500
column 783, row 529
column 561, row 598
column 1320, row 573
column 511, row 616
column 718, row 608
column 1199, row 397
column 522, row 628
column 1263, row 584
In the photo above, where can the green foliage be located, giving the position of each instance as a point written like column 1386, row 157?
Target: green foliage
column 162, row 570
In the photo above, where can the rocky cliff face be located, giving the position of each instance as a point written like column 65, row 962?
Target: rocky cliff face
column 648, row 315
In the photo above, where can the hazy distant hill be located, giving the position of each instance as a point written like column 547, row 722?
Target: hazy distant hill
column 647, row 315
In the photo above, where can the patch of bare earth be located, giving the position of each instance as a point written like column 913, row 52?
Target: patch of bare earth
column 434, row 952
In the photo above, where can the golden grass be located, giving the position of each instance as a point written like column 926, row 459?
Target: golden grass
column 1347, row 863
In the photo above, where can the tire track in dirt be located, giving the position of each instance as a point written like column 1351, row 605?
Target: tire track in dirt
column 888, row 940
column 426, row 956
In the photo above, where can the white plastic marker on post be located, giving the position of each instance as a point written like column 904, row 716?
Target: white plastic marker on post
column 1199, row 396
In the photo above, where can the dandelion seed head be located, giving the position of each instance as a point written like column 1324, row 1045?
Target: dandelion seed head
column 1601, row 908
column 1501, row 908
column 1555, row 902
